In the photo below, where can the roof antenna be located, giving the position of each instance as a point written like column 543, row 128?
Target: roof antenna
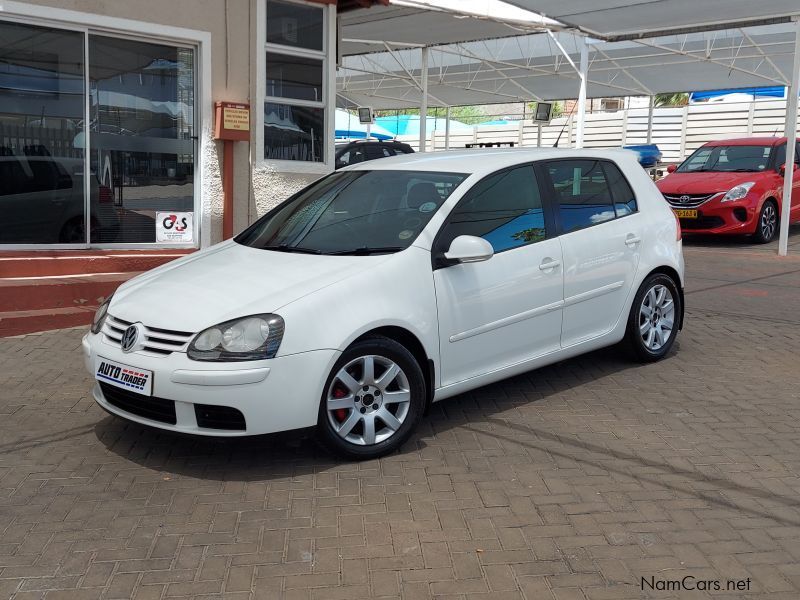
column 565, row 124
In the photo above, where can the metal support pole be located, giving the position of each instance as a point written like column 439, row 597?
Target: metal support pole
column 423, row 106
column 791, row 143
column 650, row 105
column 447, row 129
column 227, row 189
column 584, row 76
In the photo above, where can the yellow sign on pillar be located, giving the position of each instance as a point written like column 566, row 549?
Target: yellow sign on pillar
column 235, row 118
column 232, row 121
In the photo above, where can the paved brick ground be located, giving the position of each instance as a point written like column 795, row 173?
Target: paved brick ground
column 569, row 483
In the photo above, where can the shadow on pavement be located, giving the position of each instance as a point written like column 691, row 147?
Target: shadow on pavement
column 297, row 452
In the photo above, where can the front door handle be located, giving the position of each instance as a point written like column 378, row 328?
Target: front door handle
column 632, row 240
column 549, row 264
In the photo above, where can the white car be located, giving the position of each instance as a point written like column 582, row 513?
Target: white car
column 390, row 285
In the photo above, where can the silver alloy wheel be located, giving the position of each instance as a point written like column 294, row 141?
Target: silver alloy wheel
column 656, row 317
column 368, row 400
column 769, row 221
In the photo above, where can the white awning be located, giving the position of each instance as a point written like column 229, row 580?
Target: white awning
column 532, row 67
column 400, row 25
column 614, row 19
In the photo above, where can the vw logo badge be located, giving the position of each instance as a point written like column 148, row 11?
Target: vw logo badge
column 129, row 338
column 684, row 199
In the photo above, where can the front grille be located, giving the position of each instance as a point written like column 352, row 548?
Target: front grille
column 219, row 417
column 147, row 407
column 159, row 342
column 702, row 223
column 694, row 200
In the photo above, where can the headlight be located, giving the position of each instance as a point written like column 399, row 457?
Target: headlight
column 100, row 315
column 738, row 192
column 248, row 338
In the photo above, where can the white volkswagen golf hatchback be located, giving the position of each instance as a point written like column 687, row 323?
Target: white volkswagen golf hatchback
column 387, row 286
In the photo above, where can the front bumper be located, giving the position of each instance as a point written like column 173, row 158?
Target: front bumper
column 273, row 395
column 729, row 218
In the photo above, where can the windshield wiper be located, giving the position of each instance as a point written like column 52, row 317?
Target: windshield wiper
column 288, row 248
column 365, row 250
column 744, row 171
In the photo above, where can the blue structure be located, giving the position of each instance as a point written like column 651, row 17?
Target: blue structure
column 409, row 124
column 765, row 92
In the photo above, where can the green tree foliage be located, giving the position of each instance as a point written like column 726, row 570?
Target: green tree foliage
column 674, row 99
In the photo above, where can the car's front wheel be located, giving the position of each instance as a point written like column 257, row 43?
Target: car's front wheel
column 767, row 224
column 654, row 318
column 372, row 400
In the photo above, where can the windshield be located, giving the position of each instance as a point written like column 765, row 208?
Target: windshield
column 354, row 212
column 732, row 158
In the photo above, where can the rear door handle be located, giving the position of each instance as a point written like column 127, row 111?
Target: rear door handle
column 549, row 264
column 632, row 240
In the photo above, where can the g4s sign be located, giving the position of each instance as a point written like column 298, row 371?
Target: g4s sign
column 171, row 221
column 175, row 227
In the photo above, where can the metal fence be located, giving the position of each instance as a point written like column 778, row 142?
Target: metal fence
column 677, row 131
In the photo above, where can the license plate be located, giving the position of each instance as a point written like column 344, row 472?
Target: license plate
column 684, row 213
column 124, row 376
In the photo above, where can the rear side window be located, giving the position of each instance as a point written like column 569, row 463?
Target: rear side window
column 505, row 209
column 589, row 192
column 621, row 192
column 350, row 157
column 374, row 152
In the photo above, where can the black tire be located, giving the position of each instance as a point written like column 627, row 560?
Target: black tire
column 767, row 225
column 413, row 382
column 634, row 340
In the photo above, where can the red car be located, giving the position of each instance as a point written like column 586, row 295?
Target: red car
column 732, row 187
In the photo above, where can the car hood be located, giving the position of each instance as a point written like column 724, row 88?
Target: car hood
column 703, row 183
column 229, row 281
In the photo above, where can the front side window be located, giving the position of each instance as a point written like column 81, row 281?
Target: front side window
column 582, row 192
column 355, row 212
column 733, row 158
column 294, row 108
column 780, row 155
column 505, row 209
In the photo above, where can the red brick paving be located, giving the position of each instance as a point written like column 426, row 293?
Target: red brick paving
column 568, row 483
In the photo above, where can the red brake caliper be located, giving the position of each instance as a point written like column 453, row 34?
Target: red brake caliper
column 339, row 413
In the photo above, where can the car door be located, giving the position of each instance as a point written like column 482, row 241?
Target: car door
column 601, row 236
column 507, row 309
column 780, row 159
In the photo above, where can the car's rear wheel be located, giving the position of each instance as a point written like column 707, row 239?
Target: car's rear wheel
column 654, row 317
column 372, row 400
column 767, row 224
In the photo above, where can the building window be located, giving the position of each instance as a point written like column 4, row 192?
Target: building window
column 296, row 87
column 132, row 100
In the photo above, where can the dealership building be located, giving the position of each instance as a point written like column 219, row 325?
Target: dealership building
column 107, row 117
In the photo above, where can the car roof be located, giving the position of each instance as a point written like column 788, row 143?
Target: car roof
column 748, row 141
column 375, row 141
column 481, row 160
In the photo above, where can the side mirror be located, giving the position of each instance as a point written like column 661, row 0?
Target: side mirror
column 782, row 169
column 469, row 249
column 671, row 168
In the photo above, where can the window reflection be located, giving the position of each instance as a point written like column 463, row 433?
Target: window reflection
column 41, row 129
column 293, row 132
